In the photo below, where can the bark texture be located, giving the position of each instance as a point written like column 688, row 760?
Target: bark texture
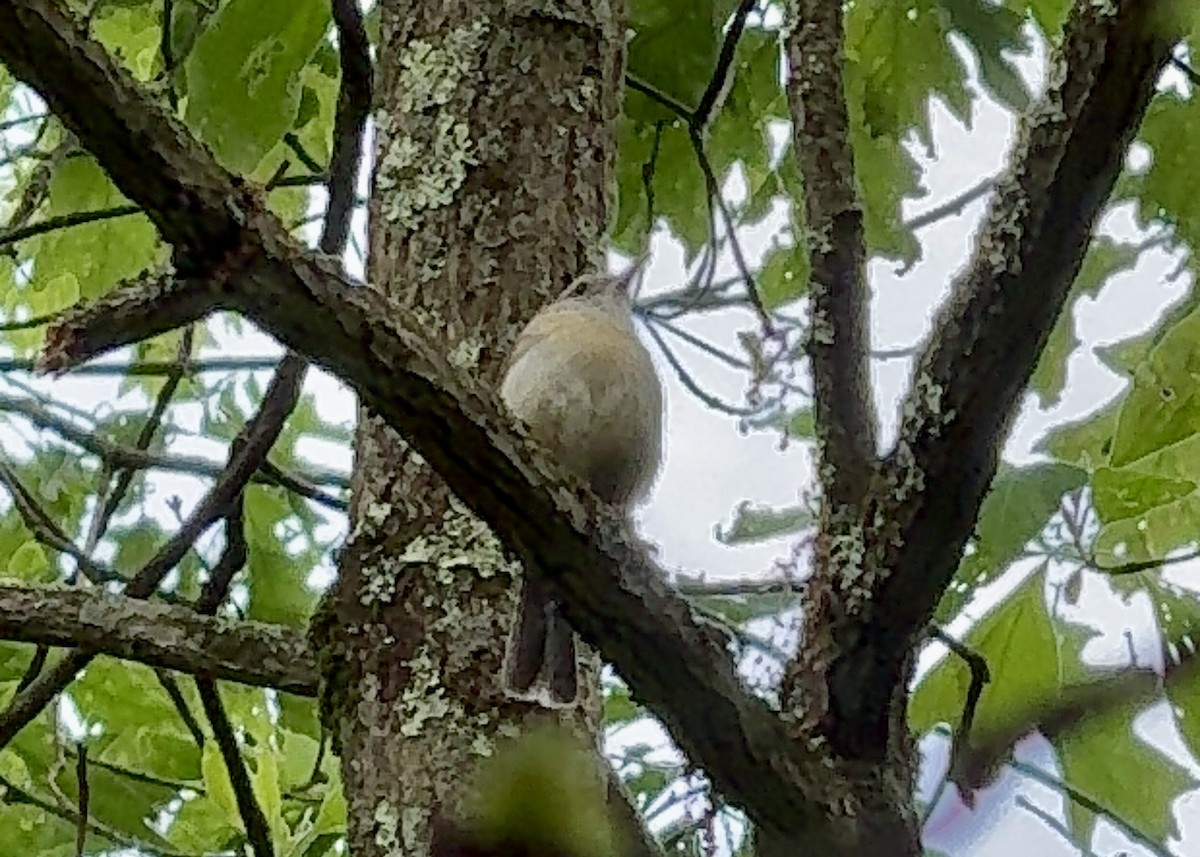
column 493, row 167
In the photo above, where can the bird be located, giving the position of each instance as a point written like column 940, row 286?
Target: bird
column 587, row 389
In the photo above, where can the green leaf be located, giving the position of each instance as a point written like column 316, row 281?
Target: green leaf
column 60, row 482
column 187, row 22
column 244, row 75
column 784, row 275
column 887, row 174
column 332, row 815
column 1020, row 648
column 264, row 781
column 13, row 535
column 1170, row 128
column 1103, row 758
column 144, row 732
column 299, row 714
column 658, row 161
column 802, row 424
column 121, row 802
column 85, row 261
column 1049, row 378
column 217, row 786
column 740, row 609
column 1126, row 493
column 132, row 34
column 1149, row 536
column 680, row 193
column 1146, row 498
column 29, row 564
column 899, row 54
column 1104, row 259
column 1163, row 406
column 674, row 49
column 1016, row 509
column 248, row 709
column 297, row 755
column 1086, row 442
column 1126, row 356
column 1048, row 14
column 29, row 830
column 1177, row 612
column 136, row 545
column 992, row 31
column 740, row 132
column 620, row 708
column 758, row 524
column 540, row 792
column 279, row 591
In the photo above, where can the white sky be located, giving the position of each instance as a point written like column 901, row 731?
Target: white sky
column 711, row 466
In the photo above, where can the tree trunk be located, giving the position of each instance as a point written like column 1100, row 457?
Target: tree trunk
column 492, row 189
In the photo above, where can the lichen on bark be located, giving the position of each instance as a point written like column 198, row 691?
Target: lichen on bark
column 492, row 189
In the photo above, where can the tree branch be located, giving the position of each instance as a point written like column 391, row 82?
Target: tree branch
column 258, row 831
column 838, row 341
column 247, row 453
column 987, row 339
column 178, row 638
column 115, row 455
column 161, row 635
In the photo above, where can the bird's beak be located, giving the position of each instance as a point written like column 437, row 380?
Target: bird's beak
column 634, row 272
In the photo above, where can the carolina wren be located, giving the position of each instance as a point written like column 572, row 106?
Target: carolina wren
column 586, row 387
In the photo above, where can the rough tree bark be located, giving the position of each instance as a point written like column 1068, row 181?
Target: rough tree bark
column 494, row 164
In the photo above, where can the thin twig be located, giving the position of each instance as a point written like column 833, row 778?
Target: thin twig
column 22, row 120
column 233, row 559
column 1192, row 75
column 35, row 667
column 353, row 106
column 654, row 94
column 256, row 438
column 1092, row 805
column 954, row 205
column 686, row 379
column 258, row 831
column 714, row 191
column 124, row 477
column 118, row 455
column 722, row 77
column 81, row 780
column 65, row 221
column 46, row 531
column 14, row 794
column 175, row 693
column 980, row 677
column 1054, row 824
column 138, row 367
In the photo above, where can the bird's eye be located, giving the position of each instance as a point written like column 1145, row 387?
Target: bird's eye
column 578, row 288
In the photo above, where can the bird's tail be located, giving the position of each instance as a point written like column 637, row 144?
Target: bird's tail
column 540, row 662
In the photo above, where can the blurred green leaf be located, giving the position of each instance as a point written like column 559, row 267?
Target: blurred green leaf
column 753, row 524
column 993, row 31
column 30, row 564
column 1103, row 758
column 1018, row 643
column 244, row 75
column 83, row 261
column 1017, row 508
